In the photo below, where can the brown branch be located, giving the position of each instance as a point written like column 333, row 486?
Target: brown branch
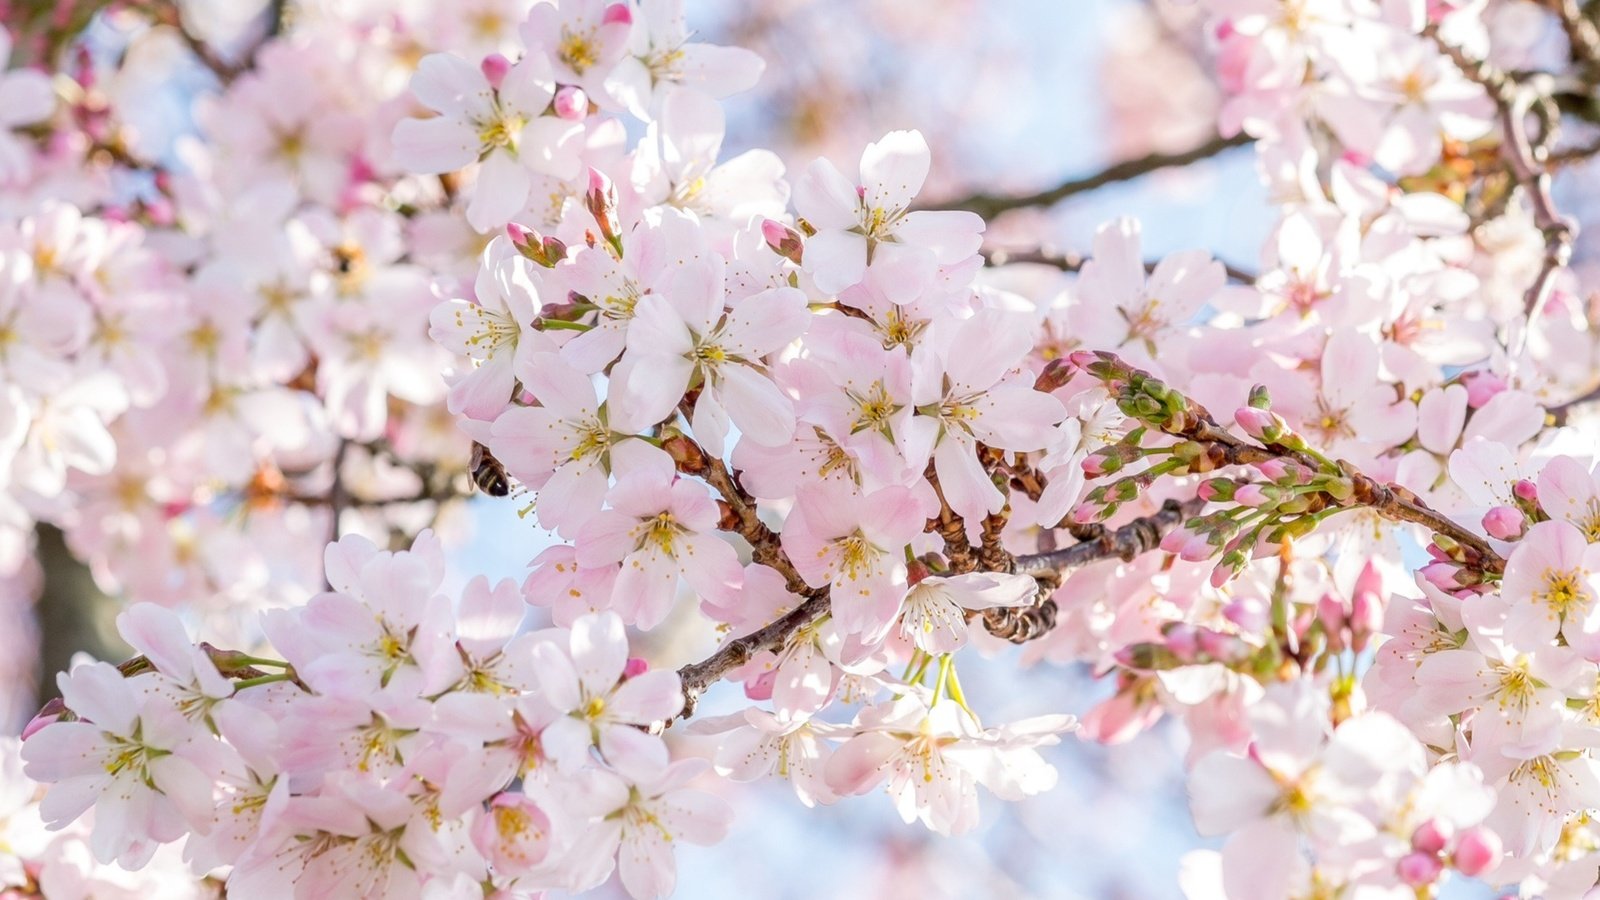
column 699, row 676
column 992, row 205
column 1558, row 414
column 1529, row 164
column 1583, row 38
column 1125, row 543
column 1073, row 262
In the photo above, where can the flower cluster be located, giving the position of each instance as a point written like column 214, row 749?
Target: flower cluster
column 809, row 414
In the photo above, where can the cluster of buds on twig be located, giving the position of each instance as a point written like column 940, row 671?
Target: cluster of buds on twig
column 1455, row 567
column 1138, row 394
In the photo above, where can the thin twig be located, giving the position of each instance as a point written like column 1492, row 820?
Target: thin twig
column 991, row 205
column 1529, row 162
column 1073, row 262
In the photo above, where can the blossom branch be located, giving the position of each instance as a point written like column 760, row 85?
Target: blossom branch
column 1313, row 486
column 991, row 205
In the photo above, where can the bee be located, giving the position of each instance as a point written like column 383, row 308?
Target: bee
column 488, row 473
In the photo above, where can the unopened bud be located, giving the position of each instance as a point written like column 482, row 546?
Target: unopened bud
column 1432, row 836
column 601, row 201
column 47, row 715
column 495, row 67
column 1246, row 612
column 1419, row 869
column 1526, row 490
column 784, row 241
column 635, row 667
column 1482, row 387
column 1259, row 398
column 617, row 14
column 1477, row 852
column 1507, row 523
column 1182, row 641
column 1213, row 489
column 1262, row 424
column 571, row 103
column 1331, row 613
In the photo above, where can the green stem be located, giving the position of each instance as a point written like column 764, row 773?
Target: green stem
column 264, row 679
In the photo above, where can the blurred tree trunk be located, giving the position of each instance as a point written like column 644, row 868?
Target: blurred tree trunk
column 74, row 614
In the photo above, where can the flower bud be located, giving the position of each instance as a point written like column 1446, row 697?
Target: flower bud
column 47, row 715
column 1419, row 869
column 1259, row 398
column 1482, row 386
column 784, row 241
column 1182, row 641
column 1246, row 612
column 1261, row 424
column 1255, row 495
column 1220, row 646
column 601, row 201
column 1506, row 523
column 1198, row 547
column 1213, row 489
column 1441, row 575
column 571, row 103
column 495, row 67
column 617, row 14
column 635, row 666
column 1477, row 852
column 1366, row 617
column 1432, row 836
column 1331, row 613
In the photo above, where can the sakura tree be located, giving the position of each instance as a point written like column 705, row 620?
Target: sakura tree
column 793, row 449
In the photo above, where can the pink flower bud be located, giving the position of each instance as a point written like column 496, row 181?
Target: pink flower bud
column 1173, row 541
column 1275, row 469
column 1261, row 424
column 1182, row 640
column 784, row 241
column 634, row 667
column 617, row 14
column 1331, row 613
column 1432, row 836
column 1366, row 617
column 1418, row 869
column 494, row 68
column 1251, row 495
column 1526, row 490
column 601, row 201
column 47, row 715
column 1247, row 613
column 520, row 235
column 1441, row 575
column 571, row 103
column 1198, row 547
column 1219, row 646
column 1482, row 387
column 1505, row 522
column 1477, row 852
